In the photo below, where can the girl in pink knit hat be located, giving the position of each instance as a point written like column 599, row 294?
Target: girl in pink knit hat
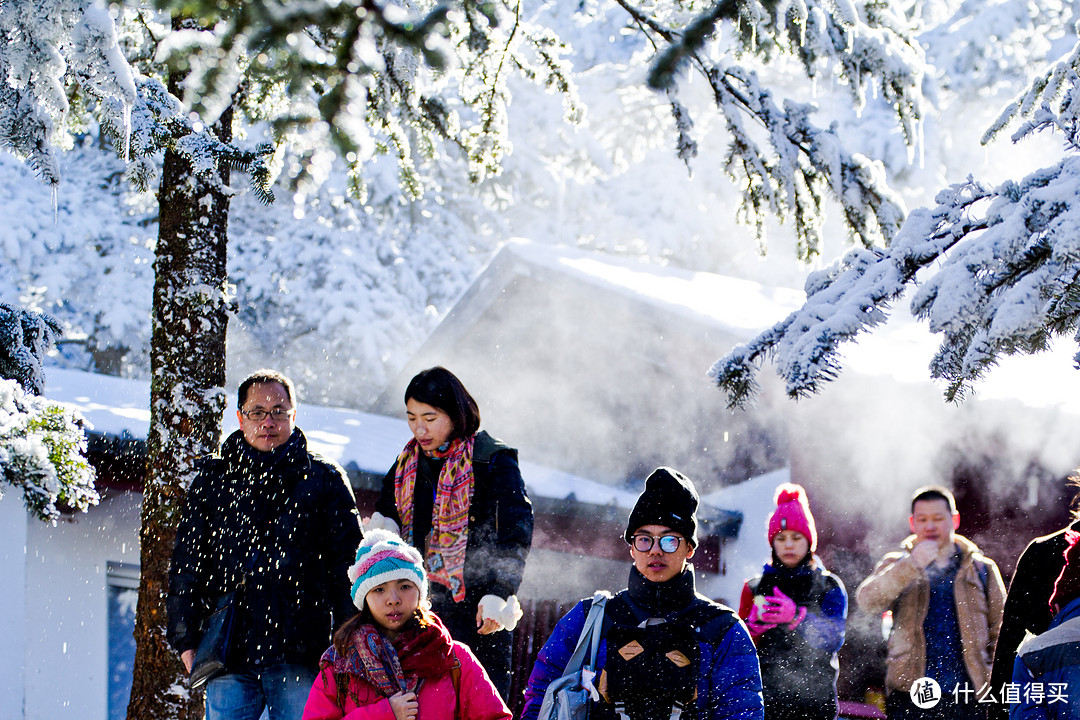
column 394, row 659
column 796, row 612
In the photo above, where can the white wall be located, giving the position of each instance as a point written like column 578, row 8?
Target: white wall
column 554, row 575
column 746, row 554
column 13, row 521
column 66, row 628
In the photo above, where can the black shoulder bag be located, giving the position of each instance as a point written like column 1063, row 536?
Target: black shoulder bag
column 212, row 655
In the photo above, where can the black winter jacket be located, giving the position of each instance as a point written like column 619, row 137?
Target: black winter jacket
column 500, row 518
column 799, row 667
column 295, row 514
column 1027, row 606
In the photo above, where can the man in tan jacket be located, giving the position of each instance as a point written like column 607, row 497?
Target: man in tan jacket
column 946, row 599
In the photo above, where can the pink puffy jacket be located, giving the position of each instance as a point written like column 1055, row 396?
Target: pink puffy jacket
column 478, row 699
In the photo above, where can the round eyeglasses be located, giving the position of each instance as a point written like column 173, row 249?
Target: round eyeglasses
column 277, row 414
column 668, row 543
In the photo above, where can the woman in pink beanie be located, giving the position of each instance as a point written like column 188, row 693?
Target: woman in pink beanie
column 796, row 611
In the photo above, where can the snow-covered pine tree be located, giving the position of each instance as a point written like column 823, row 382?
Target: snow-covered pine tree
column 187, row 398
column 42, row 443
column 783, row 162
column 997, row 268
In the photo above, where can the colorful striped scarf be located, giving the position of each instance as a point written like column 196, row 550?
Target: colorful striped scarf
column 420, row 653
column 445, row 546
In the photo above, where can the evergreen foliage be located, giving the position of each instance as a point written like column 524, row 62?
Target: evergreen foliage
column 69, row 48
column 997, row 269
column 43, row 453
column 785, row 164
column 42, row 444
column 25, row 337
column 368, row 79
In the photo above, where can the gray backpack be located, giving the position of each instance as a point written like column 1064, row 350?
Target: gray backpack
column 565, row 698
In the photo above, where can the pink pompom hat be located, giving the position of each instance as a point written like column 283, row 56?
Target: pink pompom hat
column 793, row 513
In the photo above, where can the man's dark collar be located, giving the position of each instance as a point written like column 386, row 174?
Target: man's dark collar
column 661, row 599
column 235, row 445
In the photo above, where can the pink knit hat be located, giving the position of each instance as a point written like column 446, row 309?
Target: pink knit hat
column 792, row 513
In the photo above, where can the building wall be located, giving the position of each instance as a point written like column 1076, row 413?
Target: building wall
column 565, row 577
column 13, row 628
column 66, row 612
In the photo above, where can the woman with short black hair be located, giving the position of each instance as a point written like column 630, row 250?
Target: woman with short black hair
column 456, row 494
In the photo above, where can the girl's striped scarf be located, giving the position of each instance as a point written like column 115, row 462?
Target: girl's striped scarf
column 392, row 667
column 445, row 546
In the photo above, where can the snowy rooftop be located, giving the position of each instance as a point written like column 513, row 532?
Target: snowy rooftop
column 120, row 408
column 740, row 306
column 901, row 349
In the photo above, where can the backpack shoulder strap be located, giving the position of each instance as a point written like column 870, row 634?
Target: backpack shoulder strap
column 589, row 639
column 455, row 677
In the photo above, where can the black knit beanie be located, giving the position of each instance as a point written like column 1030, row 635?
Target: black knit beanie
column 669, row 499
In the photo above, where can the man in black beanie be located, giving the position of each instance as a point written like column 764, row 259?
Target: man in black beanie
column 665, row 651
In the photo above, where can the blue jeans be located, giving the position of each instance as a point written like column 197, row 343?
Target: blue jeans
column 282, row 689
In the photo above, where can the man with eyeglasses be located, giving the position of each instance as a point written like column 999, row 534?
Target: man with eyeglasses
column 282, row 521
column 666, row 652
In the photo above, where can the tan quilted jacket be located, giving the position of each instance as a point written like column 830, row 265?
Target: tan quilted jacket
column 898, row 584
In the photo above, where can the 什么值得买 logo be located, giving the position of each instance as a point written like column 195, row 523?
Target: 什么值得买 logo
column 925, row 693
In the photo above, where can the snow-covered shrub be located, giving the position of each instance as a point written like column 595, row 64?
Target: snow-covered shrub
column 43, row 452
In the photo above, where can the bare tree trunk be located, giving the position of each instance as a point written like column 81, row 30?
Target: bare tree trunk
column 187, row 397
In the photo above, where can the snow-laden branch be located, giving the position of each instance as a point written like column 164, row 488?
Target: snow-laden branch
column 801, row 164
column 846, row 299
column 43, row 453
column 42, row 444
column 50, row 46
column 25, row 338
column 41, row 45
column 869, row 52
column 999, row 271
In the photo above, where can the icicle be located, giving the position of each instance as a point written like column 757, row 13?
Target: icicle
column 920, row 124
column 55, row 205
column 127, row 131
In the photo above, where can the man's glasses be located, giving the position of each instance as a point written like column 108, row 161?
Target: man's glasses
column 277, row 414
column 668, row 543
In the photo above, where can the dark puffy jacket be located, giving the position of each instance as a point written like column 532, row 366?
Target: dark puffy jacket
column 1027, row 606
column 728, row 680
column 1046, row 673
column 500, row 518
column 799, row 667
column 295, row 514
